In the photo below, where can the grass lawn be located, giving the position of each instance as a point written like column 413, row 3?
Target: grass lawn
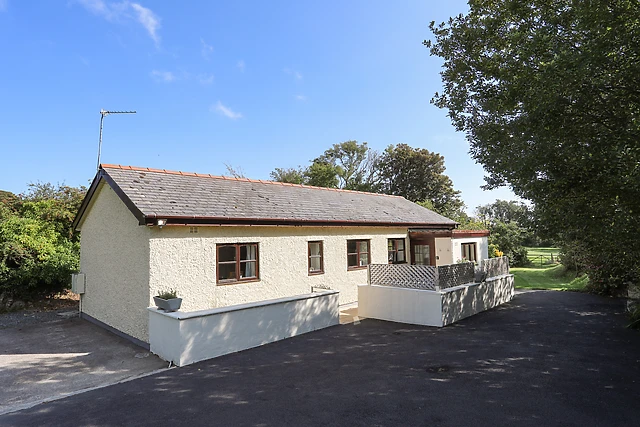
column 541, row 256
column 549, row 277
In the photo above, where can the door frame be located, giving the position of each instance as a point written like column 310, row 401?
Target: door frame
column 431, row 241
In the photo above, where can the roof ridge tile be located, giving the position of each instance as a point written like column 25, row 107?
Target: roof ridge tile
column 240, row 179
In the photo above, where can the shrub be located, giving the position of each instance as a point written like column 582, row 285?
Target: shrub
column 35, row 261
column 168, row 294
column 518, row 257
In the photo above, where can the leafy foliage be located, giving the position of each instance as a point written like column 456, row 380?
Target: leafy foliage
column 509, row 237
column 168, row 294
column 546, row 93
column 504, row 211
column 414, row 173
column 289, row 175
column 417, row 174
column 38, row 251
column 354, row 165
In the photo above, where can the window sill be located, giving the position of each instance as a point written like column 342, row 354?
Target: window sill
column 236, row 282
column 316, row 273
column 363, row 267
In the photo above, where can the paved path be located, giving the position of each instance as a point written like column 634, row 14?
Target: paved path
column 547, row 358
column 47, row 360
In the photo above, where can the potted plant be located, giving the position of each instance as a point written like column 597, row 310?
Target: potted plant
column 168, row 300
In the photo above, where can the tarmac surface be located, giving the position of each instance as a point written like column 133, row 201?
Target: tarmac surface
column 61, row 355
column 546, row 358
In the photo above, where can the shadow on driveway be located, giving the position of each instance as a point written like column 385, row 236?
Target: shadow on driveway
column 546, row 358
column 47, row 360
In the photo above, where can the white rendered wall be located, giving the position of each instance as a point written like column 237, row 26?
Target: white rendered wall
column 186, row 338
column 433, row 308
column 467, row 300
column 187, row 262
column 482, row 247
column 114, row 255
column 403, row 305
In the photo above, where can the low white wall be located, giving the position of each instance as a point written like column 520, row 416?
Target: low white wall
column 433, row 308
column 188, row 337
column 467, row 300
column 403, row 305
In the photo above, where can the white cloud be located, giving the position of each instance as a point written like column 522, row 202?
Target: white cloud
column 225, row 111
column 149, row 21
column 207, row 49
column 293, row 73
column 97, row 7
column 240, row 66
column 124, row 10
column 205, row 79
column 163, row 76
column 301, row 98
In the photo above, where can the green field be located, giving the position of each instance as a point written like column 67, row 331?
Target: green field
column 542, row 256
column 543, row 274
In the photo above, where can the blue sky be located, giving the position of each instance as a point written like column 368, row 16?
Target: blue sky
column 256, row 85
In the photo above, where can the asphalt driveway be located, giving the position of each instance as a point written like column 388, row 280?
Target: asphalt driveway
column 41, row 361
column 546, row 358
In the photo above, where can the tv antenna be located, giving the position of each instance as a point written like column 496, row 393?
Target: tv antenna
column 103, row 114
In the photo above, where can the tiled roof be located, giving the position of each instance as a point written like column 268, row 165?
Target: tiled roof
column 202, row 198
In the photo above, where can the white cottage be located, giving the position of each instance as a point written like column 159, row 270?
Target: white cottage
column 222, row 241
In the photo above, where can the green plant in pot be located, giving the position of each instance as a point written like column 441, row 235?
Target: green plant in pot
column 168, row 300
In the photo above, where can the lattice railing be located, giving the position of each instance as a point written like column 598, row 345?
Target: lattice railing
column 455, row 274
column 435, row 278
column 404, row 276
column 495, row 266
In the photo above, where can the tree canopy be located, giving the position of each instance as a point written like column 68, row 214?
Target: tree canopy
column 416, row 174
column 38, row 249
column 547, row 94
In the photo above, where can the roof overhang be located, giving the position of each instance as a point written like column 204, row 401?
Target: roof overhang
column 151, row 219
column 423, row 233
column 173, row 220
column 95, row 184
column 458, row 234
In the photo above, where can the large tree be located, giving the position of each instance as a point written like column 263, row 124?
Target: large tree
column 547, row 94
column 417, row 174
column 354, row 164
column 504, row 211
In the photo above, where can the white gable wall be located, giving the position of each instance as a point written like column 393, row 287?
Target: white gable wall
column 114, row 255
column 187, row 262
column 482, row 247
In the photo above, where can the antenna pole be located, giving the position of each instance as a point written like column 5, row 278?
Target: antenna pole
column 104, row 114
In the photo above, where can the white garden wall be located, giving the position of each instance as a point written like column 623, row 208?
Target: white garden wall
column 184, row 338
column 433, row 308
column 467, row 300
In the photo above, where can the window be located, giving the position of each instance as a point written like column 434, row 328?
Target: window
column 316, row 263
column 357, row 253
column 396, row 251
column 237, row 262
column 469, row 251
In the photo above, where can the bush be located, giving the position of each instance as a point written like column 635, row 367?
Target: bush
column 518, row 257
column 35, row 261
